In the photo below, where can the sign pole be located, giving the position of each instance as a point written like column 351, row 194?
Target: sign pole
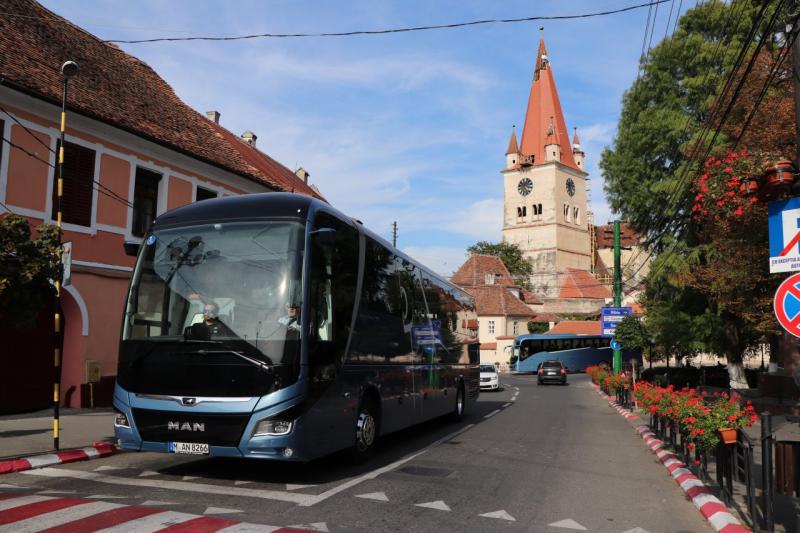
column 617, row 289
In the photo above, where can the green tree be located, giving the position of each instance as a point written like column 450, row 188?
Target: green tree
column 632, row 334
column 538, row 327
column 662, row 111
column 27, row 264
column 511, row 256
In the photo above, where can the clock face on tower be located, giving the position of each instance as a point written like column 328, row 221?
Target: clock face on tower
column 570, row 187
column 525, row 186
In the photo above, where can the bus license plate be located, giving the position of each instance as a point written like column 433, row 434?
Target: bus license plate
column 191, row 448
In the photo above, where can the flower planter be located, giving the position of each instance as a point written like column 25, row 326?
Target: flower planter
column 728, row 435
column 750, row 186
column 782, row 174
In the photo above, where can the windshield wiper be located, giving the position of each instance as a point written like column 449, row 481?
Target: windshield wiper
column 266, row 367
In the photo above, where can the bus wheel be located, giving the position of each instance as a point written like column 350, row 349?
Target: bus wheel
column 458, row 411
column 366, row 431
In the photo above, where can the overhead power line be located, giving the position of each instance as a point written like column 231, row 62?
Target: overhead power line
column 391, row 30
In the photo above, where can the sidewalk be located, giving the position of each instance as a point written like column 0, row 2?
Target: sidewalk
column 32, row 433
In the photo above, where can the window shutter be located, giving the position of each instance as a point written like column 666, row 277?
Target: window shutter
column 78, row 185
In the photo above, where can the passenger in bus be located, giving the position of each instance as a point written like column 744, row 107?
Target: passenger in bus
column 292, row 318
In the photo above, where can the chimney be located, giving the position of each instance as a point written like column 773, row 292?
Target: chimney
column 303, row 174
column 250, row 138
column 213, row 116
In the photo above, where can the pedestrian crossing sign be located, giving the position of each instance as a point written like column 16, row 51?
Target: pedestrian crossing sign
column 784, row 236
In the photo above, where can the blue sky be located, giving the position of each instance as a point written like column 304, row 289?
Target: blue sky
column 409, row 127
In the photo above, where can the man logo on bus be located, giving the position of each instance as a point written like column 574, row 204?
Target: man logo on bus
column 186, row 426
column 188, row 401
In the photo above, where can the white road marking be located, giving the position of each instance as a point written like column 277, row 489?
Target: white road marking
column 244, row 527
column 292, row 486
column 314, row 526
column 7, row 486
column 636, row 530
column 104, row 468
column 157, row 503
column 439, row 505
column 148, row 473
column 188, row 478
column 56, row 492
column 568, row 523
column 150, row 523
column 104, row 497
column 492, row 413
column 502, row 515
column 375, row 473
column 59, row 517
column 221, row 510
column 24, row 500
column 41, row 460
column 377, row 496
column 237, row 483
column 302, row 499
column 506, row 404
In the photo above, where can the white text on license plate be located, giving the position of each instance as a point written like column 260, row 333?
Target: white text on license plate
column 193, row 448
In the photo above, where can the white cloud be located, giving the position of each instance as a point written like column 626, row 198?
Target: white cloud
column 443, row 260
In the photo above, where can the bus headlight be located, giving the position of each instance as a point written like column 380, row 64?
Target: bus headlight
column 120, row 420
column 271, row 427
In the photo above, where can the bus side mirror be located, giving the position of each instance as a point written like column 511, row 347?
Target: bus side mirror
column 131, row 248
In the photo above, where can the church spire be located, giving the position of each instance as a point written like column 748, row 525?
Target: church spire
column 512, row 143
column 544, row 119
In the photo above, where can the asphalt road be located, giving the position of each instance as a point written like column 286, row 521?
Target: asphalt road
column 528, row 458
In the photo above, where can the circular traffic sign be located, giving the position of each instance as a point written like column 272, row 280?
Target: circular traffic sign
column 787, row 304
column 615, row 345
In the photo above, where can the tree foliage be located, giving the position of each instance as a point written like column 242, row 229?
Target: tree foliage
column 632, row 334
column 27, row 264
column 510, row 254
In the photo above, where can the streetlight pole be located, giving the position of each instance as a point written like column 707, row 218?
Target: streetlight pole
column 617, row 289
column 68, row 70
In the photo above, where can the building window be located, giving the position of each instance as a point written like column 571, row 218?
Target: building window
column 516, row 328
column 535, row 210
column 145, row 200
column 491, row 327
column 576, row 214
column 566, row 212
column 204, row 194
column 78, row 191
column 522, row 212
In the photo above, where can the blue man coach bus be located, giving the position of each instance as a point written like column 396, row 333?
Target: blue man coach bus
column 272, row 326
column 575, row 352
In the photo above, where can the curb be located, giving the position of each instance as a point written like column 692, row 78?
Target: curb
column 718, row 515
column 97, row 449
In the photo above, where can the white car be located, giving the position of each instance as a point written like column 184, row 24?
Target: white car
column 489, row 378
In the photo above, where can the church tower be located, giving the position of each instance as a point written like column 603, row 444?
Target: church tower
column 545, row 201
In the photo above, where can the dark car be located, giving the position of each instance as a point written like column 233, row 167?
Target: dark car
column 552, row 372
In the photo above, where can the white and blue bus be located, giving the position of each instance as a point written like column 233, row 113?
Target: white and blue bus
column 575, row 352
column 272, row 326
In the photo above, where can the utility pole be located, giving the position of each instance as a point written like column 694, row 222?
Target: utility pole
column 68, row 70
column 617, row 289
column 394, row 234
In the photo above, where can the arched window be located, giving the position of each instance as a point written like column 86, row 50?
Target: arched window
column 566, row 212
column 576, row 214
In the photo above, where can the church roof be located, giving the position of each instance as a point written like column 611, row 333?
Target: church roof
column 544, row 109
column 604, row 236
column 475, row 270
column 582, row 284
column 513, row 148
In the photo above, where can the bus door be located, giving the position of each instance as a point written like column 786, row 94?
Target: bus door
column 437, row 380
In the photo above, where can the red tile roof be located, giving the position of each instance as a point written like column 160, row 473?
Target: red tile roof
column 604, row 236
column 119, row 89
column 543, row 114
column 492, row 300
column 529, row 298
column 513, row 148
column 474, row 271
column 582, row 284
column 577, row 327
column 545, row 317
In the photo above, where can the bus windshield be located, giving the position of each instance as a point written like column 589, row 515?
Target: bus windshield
column 224, row 297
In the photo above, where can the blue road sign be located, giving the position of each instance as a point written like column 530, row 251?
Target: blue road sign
column 615, row 345
column 784, row 236
column 610, row 317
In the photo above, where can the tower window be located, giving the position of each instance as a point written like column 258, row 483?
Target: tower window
column 576, row 214
column 566, row 212
column 522, row 212
column 535, row 210
column 540, row 211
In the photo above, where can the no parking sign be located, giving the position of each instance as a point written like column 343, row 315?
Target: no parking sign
column 787, row 304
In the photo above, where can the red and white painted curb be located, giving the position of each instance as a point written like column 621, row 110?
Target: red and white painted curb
column 33, row 512
column 98, row 449
column 717, row 513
